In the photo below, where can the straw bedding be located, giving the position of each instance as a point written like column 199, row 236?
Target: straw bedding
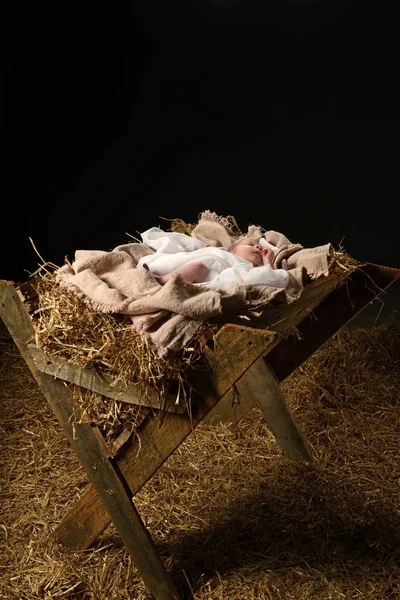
column 232, row 518
column 66, row 327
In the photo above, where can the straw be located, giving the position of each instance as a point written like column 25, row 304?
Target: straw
column 230, row 515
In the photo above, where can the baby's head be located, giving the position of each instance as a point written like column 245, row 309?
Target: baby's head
column 248, row 248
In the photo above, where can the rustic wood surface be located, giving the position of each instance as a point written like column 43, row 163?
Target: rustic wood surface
column 143, row 455
column 91, row 380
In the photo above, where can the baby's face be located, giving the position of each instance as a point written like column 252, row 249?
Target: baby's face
column 250, row 251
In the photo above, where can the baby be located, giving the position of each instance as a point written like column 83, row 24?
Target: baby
column 248, row 260
column 247, row 248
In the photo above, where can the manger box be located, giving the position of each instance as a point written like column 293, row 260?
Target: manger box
column 231, row 365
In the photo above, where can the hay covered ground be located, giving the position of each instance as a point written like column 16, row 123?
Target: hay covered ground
column 229, row 514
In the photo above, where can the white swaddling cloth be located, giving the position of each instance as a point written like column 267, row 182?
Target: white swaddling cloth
column 174, row 250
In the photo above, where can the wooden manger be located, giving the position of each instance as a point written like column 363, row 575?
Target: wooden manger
column 244, row 368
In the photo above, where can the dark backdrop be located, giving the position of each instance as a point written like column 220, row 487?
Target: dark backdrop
column 283, row 114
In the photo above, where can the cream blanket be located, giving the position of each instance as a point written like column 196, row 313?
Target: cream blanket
column 170, row 315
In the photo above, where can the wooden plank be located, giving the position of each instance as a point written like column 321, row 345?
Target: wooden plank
column 280, row 316
column 144, row 454
column 28, row 293
column 112, row 491
column 259, row 387
column 91, row 380
column 235, row 348
column 266, row 390
column 234, row 405
column 104, row 476
column 321, row 311
column 335, row 311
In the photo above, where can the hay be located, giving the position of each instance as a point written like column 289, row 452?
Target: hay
column 67, row 328
column 230, row 515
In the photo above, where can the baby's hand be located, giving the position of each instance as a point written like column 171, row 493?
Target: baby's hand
column 268, row 257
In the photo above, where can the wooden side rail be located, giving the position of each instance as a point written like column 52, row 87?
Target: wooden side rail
column 91, row 380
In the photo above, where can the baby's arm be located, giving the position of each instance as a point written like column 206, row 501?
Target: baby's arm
column 268, row 257
column 194, row 272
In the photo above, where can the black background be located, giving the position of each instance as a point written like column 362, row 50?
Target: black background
column 115, row 116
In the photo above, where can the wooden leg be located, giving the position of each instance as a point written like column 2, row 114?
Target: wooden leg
column 144, row 455
column 139, row 459
column 104, row 475
column 113, row 491
column 267, row 393
column 259, row 387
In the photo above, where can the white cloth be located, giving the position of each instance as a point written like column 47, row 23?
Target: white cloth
column 174, row 250
column 170, row 242
column 263, row 242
